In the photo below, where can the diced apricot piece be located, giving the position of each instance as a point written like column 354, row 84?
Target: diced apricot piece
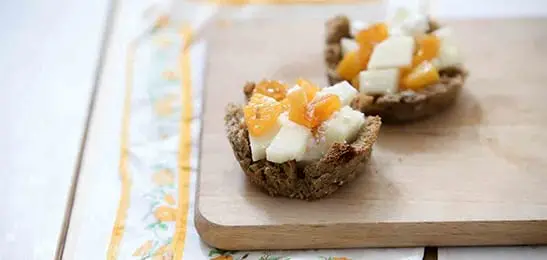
column 271, row 88
column 285, row 104
column 298, row 102
column 372, row 35
column 423, row 75
column 310, row 112
column 427, row 48
column 354, row 62
column 323, row 107
column 364, row 53
column 349, row 66
column 403, row 72
column 261, row 114
column 310, row 88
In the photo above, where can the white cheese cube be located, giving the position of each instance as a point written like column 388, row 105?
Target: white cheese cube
column 345, row 91
column 348, row 45
column 449, row 55
column 415, row 25
column 356, row 26
column 405, row 22
column 394, row 52
column 399, row 16
column 383, row 81
column 289, row 143
column 283, row 119
column 343, row 126
column 397, row 19
column 397, row 31
column 315, row 148
column 260, row 143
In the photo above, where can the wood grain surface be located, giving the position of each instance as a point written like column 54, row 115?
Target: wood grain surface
column 473, row 175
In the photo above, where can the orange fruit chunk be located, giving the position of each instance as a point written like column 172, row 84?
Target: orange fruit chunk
column 271, row 88
column 354, row 62
column 261, row 114
column 310, row 88
column 403, row 72
column 364, row 53
column 423, row 75
column 323, row 107
column 372, row 35
column 285, row 104
column 311, row 112
column 298, row 102
column 349, row 66
column 428, row 48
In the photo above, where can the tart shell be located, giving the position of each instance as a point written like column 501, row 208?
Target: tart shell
column 341, row 164
column 398, row 107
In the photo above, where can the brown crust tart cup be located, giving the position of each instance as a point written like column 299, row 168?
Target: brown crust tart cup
column 341, row 164
column 398, row 107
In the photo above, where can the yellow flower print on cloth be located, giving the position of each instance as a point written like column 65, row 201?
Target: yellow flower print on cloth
column 165, row 214
column 163, row 177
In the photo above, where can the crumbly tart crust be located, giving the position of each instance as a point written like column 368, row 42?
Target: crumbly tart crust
column 341, row 164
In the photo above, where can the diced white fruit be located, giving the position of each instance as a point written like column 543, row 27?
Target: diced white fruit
column 449, row 55
column 348, row 45
column 394, row 52
column 356, row 26
column 405, row 22
column 343, row 126
column 396, row 31
column 315, row 148
column 288, row 144
column 345, row 91
column 380, row 81
column 415, row 25
column 259, row 144
column 399, row 16
column 397, row 19
column 283, row 119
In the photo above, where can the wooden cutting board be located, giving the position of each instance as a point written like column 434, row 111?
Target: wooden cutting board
column 473, row 175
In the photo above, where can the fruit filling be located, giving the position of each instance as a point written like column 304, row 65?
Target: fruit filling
column 322, row 107
column 271, row 88
column 261, row 114
column 400, row 54
column 281, row 130
column 298, row 107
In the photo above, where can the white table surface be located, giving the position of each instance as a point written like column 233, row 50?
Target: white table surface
column 48, row 54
